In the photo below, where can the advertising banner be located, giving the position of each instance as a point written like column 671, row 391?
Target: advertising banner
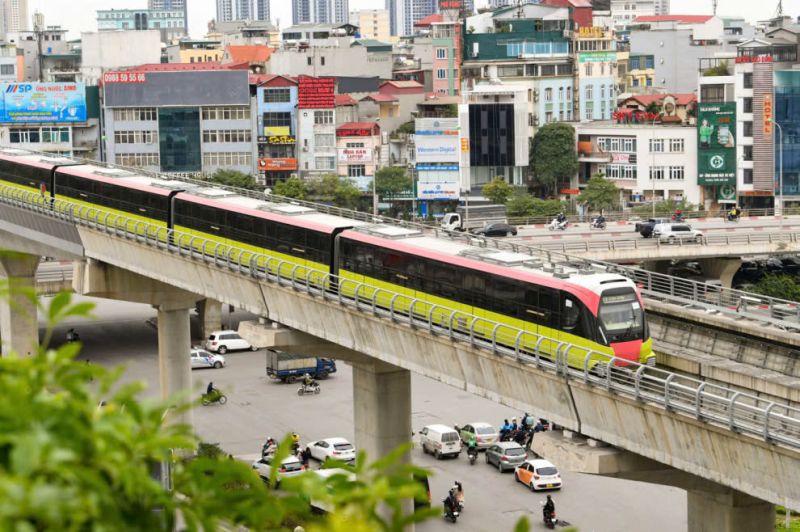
column 277, row 131
column 276, row 164
column 437, row 191
column 767, row 114
column 355, row 155
column 597, row 57
column 726, row 194
column 437, row 140
column 315, row 93
column 43, row 102
column 716, row 144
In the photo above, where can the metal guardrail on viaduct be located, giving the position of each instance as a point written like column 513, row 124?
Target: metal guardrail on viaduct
column 740, row 412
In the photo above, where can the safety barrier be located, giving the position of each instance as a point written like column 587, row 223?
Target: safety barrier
column 738, row 411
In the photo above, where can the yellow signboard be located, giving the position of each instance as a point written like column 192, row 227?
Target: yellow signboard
column 591, row 31
column 767, row 114
column 277, row 131
column 464, row 145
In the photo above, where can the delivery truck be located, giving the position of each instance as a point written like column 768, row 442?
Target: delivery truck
column 290, row 367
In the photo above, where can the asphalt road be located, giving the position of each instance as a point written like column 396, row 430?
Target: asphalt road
column 259, row 406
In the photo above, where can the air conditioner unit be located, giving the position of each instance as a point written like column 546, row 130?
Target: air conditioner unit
column 535, row 120
column 293, row 176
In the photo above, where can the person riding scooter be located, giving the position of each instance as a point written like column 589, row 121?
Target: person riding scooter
column 450, row 504
column 548, row 512
column 733, row 214
column 599, row 222
column 472, row 448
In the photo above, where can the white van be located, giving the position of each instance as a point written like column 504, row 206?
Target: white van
column 440, row 440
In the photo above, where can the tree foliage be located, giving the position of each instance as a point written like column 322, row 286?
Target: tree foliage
column 664, row 207
column 600, row 194
column 779, row 286
column 391, row 180
column 291, row 188
column 497, row 191
column 334, row 189
column 523, row 205
column 233, row 178
column 70, row 462
column 554, row 158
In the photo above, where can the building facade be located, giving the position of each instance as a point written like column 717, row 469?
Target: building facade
column 316, row 126
column 358, row 151
column 171, row 5
column 277, row 129
column 179, row 122
column 230, row 10
column 109, row 50
column 15, row 17
column 372, row 23
column 644, row 160
column 170, row 24
column 446, row 67
column 186, row 51
column 596, row 62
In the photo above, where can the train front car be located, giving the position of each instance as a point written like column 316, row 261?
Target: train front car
column 620, row 318
column 29, row 171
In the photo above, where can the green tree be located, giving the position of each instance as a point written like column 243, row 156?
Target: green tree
column 70, row 462
column 600, row 194
column 497, row 191
column 233, row 178
column 780, row 286
column 554, row 158
column 719, row 70
column 664, row 208
column 520, row 205
column 391, row 180
column 332, row 188
column 291, row 188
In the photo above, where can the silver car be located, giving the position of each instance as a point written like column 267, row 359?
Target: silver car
column 505, row 455
column 677, row 232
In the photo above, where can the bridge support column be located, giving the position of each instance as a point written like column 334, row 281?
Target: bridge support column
column 174, row 364
column 657, row 266
column 381, row 407
column 19, row 326
column 210, row 313
column 732, row 511
column 721, row 268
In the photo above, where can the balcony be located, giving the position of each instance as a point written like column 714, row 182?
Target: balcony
column 715, row 66
column 589, row 153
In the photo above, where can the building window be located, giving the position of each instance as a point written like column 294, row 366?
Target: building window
column 7, row 70
column 676, row 173
column 747, row 153
column 23, row 136
column 588, row 69
column 712, row 93
column 441, row 73
column 656, row 172
column 602, row 91
column 137, row 160
column 589, row 113
column 656, row 145
column 441, row 53
column 569, row 94
column 561, row 94
column 55, row 134
column 356, row 170
column 135, row 137
column 325, row 163
column 548, row 94
column 226, row 159
column 308, row 60
column 747, row 129
column 747, row 176
column 323, row 117
column 142, row 114
column 324, row 141
column 282, row 95
column 277, row 119
column 589, row 93
column 748, row 80
column 676, row 145
column 548, row 117
column 227, row 135
column 354, row 145
column 226, row 113
column 747, row 105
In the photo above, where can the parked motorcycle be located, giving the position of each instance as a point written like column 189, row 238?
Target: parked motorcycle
column 215, row 396
column 308, row 389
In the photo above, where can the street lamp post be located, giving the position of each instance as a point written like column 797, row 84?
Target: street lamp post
column 780, row 167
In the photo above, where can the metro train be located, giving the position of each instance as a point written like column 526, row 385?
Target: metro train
column 595, row 311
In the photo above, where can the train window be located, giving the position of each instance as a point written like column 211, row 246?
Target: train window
column 570, row 315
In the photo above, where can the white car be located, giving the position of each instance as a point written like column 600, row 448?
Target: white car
column 677, row 232
column 336, row 448
column 203, row 359
column 485, row 434
column 538, row 475
column 223, row 341
column 290, row 467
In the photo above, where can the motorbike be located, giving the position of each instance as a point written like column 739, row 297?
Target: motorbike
column 596, row 225
column 550, row 520
column 308, row 388
column 555, row 224
column 678, row 218
column 215, row 396
column 450, row 514
column 732, row 218
column 472, row 454
column 72, row 336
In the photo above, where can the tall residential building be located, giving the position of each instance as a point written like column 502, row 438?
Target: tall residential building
column 372, row 23
column 228, row 10
column 262, row 9
column 15, row 16
column 319, row 12
column 170, row 5
column 499, row 3
column 170, row 24
column 404, row 13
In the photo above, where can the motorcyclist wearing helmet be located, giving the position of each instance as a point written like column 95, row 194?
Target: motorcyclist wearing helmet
column 549, row 508
column 307, row 380
column 472, row 445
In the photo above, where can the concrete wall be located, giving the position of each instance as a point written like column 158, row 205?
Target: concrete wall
column 331, row 61
column 109, row 50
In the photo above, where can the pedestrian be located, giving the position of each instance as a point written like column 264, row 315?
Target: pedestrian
column 305, row 456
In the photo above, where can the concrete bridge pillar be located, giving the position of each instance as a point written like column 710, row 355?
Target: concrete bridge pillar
column 174, row 342
column 721, row 268
column 657, row 266
column 210, row 313
column 381, row 407
column 730, row 511
column 19, row 327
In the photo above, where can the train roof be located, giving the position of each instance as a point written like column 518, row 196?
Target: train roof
column 517, row 265
column 40, row 160
column 287, row 213
column 118, row 176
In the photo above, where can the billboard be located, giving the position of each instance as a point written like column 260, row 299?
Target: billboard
column 438, row 191
column 355, row 155
column 315, row 93
column 716, row 144
column 276, row 164
column 437, row 140
column 43, row 102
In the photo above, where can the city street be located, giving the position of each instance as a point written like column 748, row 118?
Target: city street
column 259, row 407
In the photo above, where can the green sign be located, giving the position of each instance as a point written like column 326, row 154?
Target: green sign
column 597, row 57
column 726, row 194
column 716, row 144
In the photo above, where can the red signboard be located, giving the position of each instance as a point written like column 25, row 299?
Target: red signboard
column 315, row 93
column 570, row 191
column 629, row 115
column 353, row 132
column 754, row 59
column 124, row 77
column 449, row 4
column 276, row 164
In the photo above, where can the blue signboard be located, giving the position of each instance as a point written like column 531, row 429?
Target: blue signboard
column 43, row 102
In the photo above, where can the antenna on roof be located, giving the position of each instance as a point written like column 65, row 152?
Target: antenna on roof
column 779, row 10
column 714, row 7
column 520, row 12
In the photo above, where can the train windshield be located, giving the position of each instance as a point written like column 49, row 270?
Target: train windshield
column 622, row 316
